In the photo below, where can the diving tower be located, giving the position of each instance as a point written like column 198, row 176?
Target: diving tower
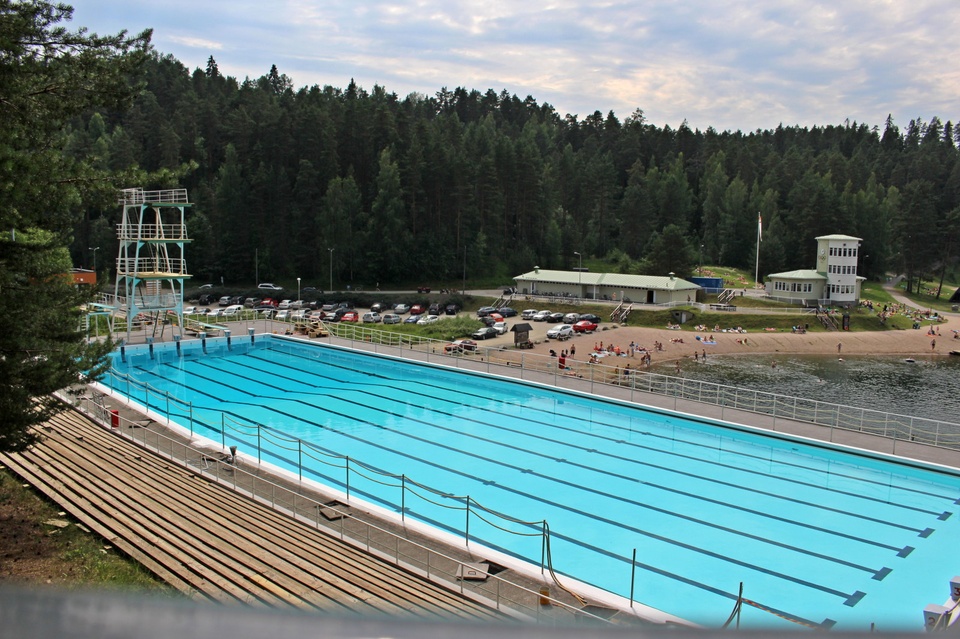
column 151, row 267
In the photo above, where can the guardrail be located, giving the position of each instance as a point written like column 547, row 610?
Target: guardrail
column 580, row 374
column 505, row 595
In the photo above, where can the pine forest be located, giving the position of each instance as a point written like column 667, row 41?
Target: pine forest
column 486, row 185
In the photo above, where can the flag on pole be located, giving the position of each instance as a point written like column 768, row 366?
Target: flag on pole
column 759, row 228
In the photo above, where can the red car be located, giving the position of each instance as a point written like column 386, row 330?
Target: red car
column 584, row 326
column 418, row 309
column 350, row 317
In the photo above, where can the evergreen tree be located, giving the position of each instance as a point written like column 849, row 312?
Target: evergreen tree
column 48, row 76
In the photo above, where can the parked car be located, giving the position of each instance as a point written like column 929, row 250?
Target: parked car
column 541, row 316
column 371, row 318
column 237, row 299
column 584, row 326
column 590, row 317
column 428, row 319
column 460, row 346
column 205, row 311
column 555, row 318
column 435, row 309
column 350, row 316
column 506, row 311
column 560, row 331
column 251, row 302
column 483, row 311
column 298, row 315
column 413, row 319
column 284, row 304
column 206, row 299
column 266, row 312
column 417, row 309
column 225, row 300
column 391, row 318
column 189, row 310
column 329, row 306
column 529, row 313
column 311, row 289
column 484, row 333
column 400, row 309
column 423, row 289
column 571, row 318
column 214, row 313
column 232, row 311
column 205, row 286
column 378, row 307
column 452, row 309
column 267, row 286
column 295, row 304
column 283, row 315
column 501, row 327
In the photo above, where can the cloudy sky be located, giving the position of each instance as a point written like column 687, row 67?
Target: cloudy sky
column 729, row 64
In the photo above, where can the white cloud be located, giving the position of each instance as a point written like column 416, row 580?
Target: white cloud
column 737, row 64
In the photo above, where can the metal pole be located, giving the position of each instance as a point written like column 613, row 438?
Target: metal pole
column 579, row 275
column 633, row 575
column 331, row 270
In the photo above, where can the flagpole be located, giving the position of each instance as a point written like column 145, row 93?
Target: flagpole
column 756, row 274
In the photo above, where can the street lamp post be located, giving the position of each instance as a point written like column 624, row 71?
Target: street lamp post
column 700, row 266
column 331, row 269
column 579, row 275
column 94, row 249
column 298, row 289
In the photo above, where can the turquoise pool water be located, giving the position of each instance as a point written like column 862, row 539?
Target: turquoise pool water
column 819, row 537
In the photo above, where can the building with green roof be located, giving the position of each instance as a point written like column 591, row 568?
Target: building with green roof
column 834, row 281
column 639, row 289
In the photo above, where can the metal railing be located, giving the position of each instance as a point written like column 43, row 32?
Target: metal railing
column 340, row 521
column 139, row 196
column 580, row 375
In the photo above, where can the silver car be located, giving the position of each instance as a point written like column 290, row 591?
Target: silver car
column 560, row 331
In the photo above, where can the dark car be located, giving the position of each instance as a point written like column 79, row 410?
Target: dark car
column 340, row 312
column 413, row 319
column 485, row 333
column 435, row 309
column 378, row 307
column 452, row 309
column 555, row 318
column 483, row 311
column 590, row 317
column 206, row 299
column 423, row 289
column 506, row 311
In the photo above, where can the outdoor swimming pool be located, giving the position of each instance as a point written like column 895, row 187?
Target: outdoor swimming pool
column 819, row 537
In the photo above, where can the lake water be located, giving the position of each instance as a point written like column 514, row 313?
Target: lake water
column 928, row 387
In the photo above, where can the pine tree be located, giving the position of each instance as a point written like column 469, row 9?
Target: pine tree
column 48, row 75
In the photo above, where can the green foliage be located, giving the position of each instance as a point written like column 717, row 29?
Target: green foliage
column 49, row 75
column 486, row 185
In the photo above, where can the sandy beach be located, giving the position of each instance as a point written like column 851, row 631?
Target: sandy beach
column 893, row 342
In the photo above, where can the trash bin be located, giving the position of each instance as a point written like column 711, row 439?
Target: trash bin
column 114, row 418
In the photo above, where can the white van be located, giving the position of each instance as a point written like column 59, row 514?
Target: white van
column 232, row 311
